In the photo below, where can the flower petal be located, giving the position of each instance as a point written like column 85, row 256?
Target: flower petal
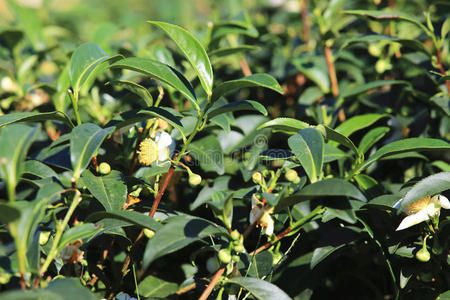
column 444, row 202
column 269, row 228
column 414, row 219
column 163, row 139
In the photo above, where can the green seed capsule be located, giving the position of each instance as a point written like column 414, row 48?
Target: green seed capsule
column 225, row 256
column 235, row 235
column 104, row 168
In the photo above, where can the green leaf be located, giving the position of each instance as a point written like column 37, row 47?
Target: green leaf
column 408, row 43
column 308, row 147
column 370, row 138
column 388, row 16
column 231, row 50
column 179, row 232
column 85, row 140
column 255, row 80
column 8, row 213
column 16, row 140
column 332, row 153
column 141, row 114
column 41, row 170
column 315, row 68
column 82, row 231
column 220, row 184
column 192, row 50
column 444, row 296
column 238, row 106
column 333, row 135
column 161, row 72
column 428, row 186
column 129, row 216
column 35, row 117
column 260, row 264
column 288, row 125
column 321, row 253
column 109, row 190
column 406, row 145
column 358, row 122
column 135, row 88
column 261, row 289
column 208, row 152
column 332, row 187
column 359, row 89
column 152, row 286
column 29, row 21
column 69, row 289
column 85, row 61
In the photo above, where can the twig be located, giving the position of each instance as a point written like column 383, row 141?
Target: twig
column 305, row 21
column 333, row 78
column 212, row 284
column 268, row 244
column 245, row 67
column 441, row 69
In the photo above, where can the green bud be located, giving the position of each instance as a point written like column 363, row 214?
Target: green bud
column 212, row 264
column 225, row 256
column 239, row 248
column 423, row 255
column 236, row 258
column 104, row 168
column 43, row 237
column 149, row 233
column 257, row 177
column 195, row 179
column 235, row 235
column 291, row 175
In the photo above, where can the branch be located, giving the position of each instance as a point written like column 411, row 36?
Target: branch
column 212, row 284
column 441, row 69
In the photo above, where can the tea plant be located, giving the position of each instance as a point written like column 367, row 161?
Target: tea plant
column 143, row 169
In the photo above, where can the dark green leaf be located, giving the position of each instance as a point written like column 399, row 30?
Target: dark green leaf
column 69, row 289
column 129, row 216
column 358, row 122
column 85, row 140
column 288, row 125
column 333, row 135
column 16, row 139
column 308, row 147
column 85, row 61
column 137, row 89
column 38, row 169
column 8, row 213
column 179, row 232
column 161, row 72
column 192, row 50
column 261, row 289
column 109, row 190
column 406, row 145
column 208, row 152
column 321, row 253
column 255, row 80
column 324, row 188
column 238, row 106
column 35, row 117
column 152, row 286
column 371, row 138
column 231, row 50
column 82, row 231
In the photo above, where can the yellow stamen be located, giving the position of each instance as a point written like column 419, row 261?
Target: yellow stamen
column 148, row 152
column 418, row 205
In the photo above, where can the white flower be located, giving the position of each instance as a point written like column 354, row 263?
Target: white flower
column 158, row 150
column 422, row 210
column 261, row 215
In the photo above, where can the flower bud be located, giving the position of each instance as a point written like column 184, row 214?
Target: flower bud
column 423, row 255
column 236, row 258
column 257, row 177
column 224, row 256
column 43, row 237
column 235, row 235
column 104, row 168
column 291, row 175
column 149, row 233
column 239, row 248
column 212, row 264
column 195, row 179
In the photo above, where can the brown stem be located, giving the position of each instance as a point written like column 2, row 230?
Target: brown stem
column 333, row 78
column 23, row 283
column 186, row 289
column 135, row 155
column 277, row 238
column 212, row 284
column 441, row 69
column 245, row 67
column 151, row 214
column 305, row 21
